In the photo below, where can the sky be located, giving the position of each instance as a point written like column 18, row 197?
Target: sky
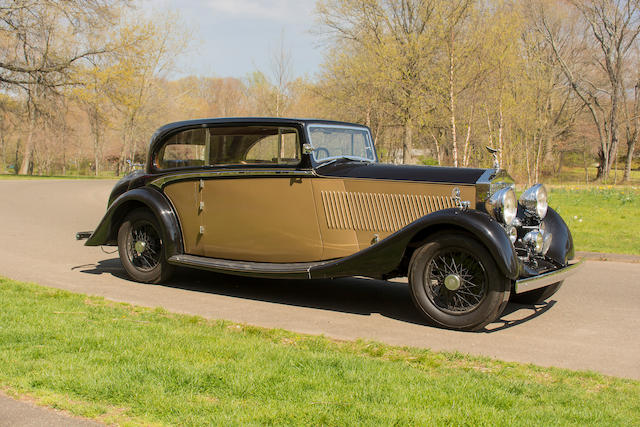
column 232, row 38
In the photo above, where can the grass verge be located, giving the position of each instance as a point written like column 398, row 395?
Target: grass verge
column 132, row 365
column 13, row 176
column 577, row 175
column 601, row 219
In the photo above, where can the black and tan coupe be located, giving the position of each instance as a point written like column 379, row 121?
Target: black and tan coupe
column 289, row 198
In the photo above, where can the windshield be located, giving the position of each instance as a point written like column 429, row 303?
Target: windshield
column 334, row 142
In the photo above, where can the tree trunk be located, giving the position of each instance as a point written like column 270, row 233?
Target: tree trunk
column 467, row 140
column 603, row 165
column 631, row 145
column 4, row 149
column 528, row 161
column 613, row 133
column 538, row 159
column 96, row 142
column 27, row 155
column 500, row 131
column 452, row 103
column 407, row 144
column 438, row 155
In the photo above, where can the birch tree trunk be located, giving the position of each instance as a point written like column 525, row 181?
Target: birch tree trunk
column 452, row 103
column 407, row 145
column 438, row 155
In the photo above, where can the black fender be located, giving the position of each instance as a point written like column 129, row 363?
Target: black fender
column 561, row 249
column 107, row 231
column 386, row 256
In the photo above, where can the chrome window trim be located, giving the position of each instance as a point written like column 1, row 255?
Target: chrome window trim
column 154, row 168
column 164, row 180
column 359, row 128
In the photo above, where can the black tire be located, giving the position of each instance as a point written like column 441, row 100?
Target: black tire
column 537, row 296
column 150, row 265
column 482, row 292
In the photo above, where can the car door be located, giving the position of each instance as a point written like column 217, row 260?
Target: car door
column 252, row 203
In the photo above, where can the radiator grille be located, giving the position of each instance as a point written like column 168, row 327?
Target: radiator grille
column 378, row 211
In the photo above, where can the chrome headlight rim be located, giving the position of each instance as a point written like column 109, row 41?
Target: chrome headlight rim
column 534, row 201
column 502, row 205
column 535, row 241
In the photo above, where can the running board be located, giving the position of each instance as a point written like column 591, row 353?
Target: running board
column 296, row 270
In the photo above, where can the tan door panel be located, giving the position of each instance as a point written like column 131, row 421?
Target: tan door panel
column 185, row 197
column 259, row 219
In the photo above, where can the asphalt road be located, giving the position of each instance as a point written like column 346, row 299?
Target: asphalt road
column 593, row 323
column 15, row 413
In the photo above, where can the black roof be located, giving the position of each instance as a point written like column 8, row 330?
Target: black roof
column 249, row 120
column 160, row 134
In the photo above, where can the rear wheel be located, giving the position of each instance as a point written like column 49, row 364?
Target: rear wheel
column 455, row 282
column 141, row 248
column 537, row 296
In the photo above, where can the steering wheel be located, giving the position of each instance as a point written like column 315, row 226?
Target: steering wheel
column 321, row 150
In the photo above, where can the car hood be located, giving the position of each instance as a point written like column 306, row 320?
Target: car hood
column 401, row 172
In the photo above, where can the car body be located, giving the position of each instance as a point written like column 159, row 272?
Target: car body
column 294, row 198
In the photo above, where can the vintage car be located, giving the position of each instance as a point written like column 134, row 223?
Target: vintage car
column 290, row 198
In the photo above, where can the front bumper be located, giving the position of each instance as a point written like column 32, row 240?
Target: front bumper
column 546, row 279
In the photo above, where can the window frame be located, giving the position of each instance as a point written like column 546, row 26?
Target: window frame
column 155, row 168
column 364, row 129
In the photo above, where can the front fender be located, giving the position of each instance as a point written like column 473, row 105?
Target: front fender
column 107, row 231
column 561, row 249
column 386, row 255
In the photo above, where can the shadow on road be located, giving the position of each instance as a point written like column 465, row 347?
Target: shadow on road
column 348, row 295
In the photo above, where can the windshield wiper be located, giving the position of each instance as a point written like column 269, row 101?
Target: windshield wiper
column 345, row 157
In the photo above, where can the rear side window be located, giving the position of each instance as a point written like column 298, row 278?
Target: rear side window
column 184, row 149
column 247, row 145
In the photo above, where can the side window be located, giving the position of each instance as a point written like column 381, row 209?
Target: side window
column 230, row 145
column 184, row 149
column 281, row 148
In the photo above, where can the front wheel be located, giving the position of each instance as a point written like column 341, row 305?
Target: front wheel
column 455, row 282
column 141, row 248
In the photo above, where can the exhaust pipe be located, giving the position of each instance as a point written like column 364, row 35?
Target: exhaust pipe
column 83, row 235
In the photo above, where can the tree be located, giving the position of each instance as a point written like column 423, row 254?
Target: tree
column 153, row 46
column 43, row 41
column 611, row 29
column 400, row 35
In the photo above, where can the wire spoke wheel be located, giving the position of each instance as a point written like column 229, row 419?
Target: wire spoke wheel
column 143, row 246
column 455, row 281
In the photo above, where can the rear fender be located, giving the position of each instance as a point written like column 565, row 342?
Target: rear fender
column 107, row 231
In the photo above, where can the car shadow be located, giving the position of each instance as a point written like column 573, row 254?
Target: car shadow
column 516, row 314
column 354, row 295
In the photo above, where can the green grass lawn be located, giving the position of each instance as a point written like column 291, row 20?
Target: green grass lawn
column 138, row 366
column 577, row 175
column 600, row 219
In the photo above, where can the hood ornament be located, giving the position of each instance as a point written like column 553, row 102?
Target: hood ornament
column 494, row 152
column 457, row 200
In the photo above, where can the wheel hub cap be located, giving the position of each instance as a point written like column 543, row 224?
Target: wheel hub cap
column 140, row 246
column 452, row 282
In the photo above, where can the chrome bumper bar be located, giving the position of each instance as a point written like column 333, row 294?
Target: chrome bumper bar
column 546, row 279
